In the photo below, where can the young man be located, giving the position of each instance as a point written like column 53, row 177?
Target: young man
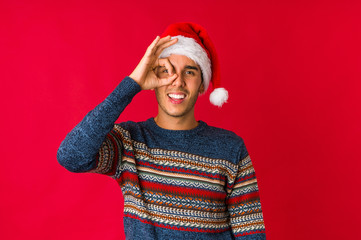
column 180, row 178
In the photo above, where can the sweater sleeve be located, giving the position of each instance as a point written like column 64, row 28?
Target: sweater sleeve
column 81, row 148
column 244, row 205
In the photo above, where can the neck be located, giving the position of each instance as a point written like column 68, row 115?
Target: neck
column 176, row 123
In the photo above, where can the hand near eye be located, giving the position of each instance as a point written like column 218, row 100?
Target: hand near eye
column 145, row 74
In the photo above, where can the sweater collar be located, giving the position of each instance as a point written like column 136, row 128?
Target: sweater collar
column 152, row 125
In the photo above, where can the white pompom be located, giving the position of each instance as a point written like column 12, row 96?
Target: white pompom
column 219, row 96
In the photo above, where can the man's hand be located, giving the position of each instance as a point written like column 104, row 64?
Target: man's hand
column 146, row 74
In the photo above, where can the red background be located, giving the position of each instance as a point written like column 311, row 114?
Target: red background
column 292, row 70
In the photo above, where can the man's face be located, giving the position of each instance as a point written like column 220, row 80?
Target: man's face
column 178, row 99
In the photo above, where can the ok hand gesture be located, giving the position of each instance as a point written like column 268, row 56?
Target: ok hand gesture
column 145, row 74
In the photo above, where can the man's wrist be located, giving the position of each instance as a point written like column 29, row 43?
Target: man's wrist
column 135, row 79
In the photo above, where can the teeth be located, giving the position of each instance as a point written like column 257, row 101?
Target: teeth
column 176, row 96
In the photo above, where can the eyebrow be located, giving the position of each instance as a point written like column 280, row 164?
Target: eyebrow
column 191, row 67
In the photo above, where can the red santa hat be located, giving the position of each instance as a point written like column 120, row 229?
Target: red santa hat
column 194, row 42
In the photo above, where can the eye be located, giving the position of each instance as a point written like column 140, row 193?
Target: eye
column 190, row 73
column 162, row 72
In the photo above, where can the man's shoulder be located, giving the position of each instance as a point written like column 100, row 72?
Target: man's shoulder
column 221, row 133
column 227, row 140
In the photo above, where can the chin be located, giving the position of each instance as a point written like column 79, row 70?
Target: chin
column 176, row 114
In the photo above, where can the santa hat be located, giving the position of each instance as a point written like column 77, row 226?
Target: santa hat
column 194, row 42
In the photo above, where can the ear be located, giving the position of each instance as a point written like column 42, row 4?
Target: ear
column 201, row 88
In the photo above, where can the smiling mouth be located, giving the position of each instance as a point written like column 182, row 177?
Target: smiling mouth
column 176, row 98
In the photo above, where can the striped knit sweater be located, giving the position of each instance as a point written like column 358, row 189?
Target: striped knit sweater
column 176, row 184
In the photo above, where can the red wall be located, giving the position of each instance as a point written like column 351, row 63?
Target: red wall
column 294, row 77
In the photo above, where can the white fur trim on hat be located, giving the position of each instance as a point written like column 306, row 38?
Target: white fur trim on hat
column 190, row 48
column 218, row 96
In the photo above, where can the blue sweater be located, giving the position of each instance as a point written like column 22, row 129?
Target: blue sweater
column 176, row 184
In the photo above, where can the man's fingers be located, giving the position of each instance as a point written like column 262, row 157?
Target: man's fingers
column 164, row 39
column 156, row 43
column 170, row 76
column 164, row 62
column 150, row 61
column 152, row 45
column 167, row 81
column 164, row 46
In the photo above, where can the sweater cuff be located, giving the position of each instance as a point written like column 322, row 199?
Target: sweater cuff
column 133, row 85
column 126, row 89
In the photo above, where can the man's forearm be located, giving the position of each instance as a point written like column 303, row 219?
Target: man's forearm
column 78, row 151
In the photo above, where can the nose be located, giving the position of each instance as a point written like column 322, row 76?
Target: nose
column 179, row 81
